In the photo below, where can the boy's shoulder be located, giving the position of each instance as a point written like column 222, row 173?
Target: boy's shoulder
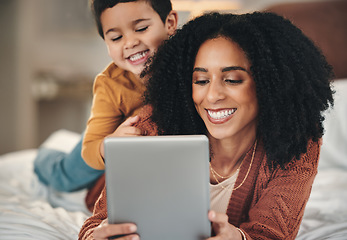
column 114, row 77
column 112, row 71
column 117, row 74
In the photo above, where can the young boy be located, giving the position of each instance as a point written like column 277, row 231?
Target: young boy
column 132, row 31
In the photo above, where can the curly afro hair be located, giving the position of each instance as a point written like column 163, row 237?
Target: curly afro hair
column 291, row 75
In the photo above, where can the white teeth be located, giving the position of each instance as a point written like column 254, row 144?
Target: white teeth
column 221, row 114
column 137, row 56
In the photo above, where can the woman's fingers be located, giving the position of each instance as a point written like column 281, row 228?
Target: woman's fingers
column 218, row 218
column 222, row 228
column 123, row 231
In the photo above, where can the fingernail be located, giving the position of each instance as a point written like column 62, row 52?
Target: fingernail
column 132, row 228
column 212, row 214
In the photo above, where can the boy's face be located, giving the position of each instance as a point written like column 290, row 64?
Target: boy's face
column 133, row 31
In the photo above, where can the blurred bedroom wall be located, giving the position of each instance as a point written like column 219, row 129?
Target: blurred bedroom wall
column 50, row 53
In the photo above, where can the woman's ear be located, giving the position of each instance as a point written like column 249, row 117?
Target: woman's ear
column 171, row 22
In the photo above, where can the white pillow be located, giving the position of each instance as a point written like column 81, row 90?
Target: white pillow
column 334, row 148
column 62, row 140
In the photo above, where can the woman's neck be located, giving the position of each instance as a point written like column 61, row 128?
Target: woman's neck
column 227, row 154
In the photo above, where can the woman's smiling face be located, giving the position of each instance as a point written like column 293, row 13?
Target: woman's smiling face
column 224, row 91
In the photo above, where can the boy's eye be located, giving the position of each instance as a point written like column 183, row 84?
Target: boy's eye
column 142, row 29
column 114, row 39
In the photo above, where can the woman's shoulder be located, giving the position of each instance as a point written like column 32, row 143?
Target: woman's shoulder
column 146, row 112
column 307, row 162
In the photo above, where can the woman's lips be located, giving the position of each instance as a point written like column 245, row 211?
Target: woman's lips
column 220, row 116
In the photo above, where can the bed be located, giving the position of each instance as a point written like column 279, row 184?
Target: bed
column 31, row 210
column 325, row 215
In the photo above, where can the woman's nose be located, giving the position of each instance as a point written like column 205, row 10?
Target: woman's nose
column 215, row 91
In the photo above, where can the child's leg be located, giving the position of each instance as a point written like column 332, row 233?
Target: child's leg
column 65, row 171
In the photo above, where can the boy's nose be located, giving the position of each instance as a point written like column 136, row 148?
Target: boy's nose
column 131, row 42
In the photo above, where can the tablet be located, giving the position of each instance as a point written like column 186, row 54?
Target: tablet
column 160, row 183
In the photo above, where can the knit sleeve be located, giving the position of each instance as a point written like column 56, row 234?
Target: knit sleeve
column 279, row 202
column 99, row 214
column 147, row 126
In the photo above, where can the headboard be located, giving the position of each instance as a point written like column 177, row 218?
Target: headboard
column 325, row 22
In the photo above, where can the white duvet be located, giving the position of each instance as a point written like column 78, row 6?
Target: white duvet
column 326, row 211
column 29, row 209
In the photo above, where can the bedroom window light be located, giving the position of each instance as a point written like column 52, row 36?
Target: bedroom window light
column 197, row 7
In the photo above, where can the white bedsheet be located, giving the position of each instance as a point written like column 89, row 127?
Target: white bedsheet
column 326, row 211
column 27, row 212
column 29, row 209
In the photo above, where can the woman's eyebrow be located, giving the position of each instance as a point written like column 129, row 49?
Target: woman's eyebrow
column 198, row 69
column 231, row 68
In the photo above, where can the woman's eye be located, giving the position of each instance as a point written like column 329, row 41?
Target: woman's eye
column 201, row 82
column 231, row 81
column 142, row 29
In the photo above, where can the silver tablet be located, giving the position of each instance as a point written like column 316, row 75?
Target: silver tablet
column 161, row 184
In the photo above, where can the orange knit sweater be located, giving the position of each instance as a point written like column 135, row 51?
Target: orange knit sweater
column 269, row 205
column 117, row 95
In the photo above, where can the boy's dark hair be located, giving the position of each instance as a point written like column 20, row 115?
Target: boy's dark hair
column 290, row 73
column 162, row 7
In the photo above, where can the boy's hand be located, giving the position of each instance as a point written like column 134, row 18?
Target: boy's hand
column 123, row 231
column 125, row 129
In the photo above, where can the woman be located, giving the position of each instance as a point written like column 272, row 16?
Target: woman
column 257, row 87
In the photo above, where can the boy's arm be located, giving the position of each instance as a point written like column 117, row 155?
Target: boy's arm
column 113, row 102
column 104, row 119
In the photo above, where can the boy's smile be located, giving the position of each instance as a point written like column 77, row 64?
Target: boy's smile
column 133, row 31
column 139, row 58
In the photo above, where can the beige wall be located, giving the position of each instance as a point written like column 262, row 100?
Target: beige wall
column 7, row 80
column 55, row 37
column 49, row 45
